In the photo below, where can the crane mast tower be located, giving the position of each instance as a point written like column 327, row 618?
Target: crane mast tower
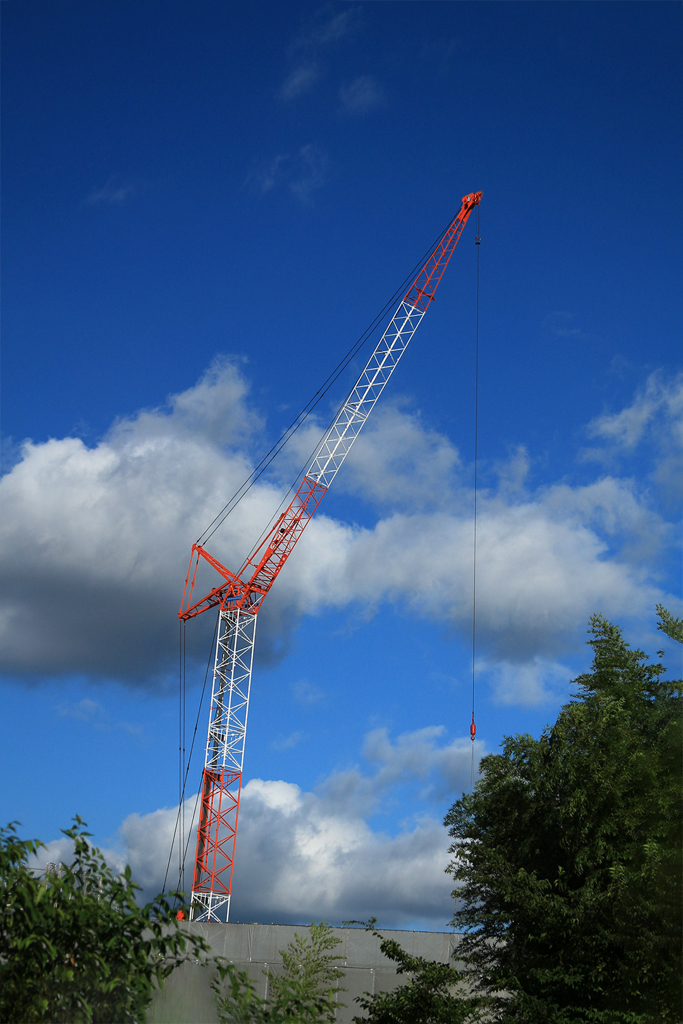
column 239, row 596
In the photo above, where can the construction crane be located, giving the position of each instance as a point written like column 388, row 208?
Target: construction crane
column 240, row 595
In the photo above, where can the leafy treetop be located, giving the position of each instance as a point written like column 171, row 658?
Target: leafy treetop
column 75, row 946
column 568, row 853
column 306, row 990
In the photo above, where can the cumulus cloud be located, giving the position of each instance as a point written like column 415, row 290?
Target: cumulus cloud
column 652, row 423
column 658, row 403
column 399, row 461
column 416, row 755
column 94, row 540
column 300, row 858
column 304, row 855
column 539, row 575
column 537, row 681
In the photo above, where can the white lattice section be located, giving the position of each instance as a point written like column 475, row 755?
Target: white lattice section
column 230, row 692
column 208, row 906
column 337, row 442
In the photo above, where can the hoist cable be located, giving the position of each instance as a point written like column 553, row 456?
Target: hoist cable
column 266, row 529
column 189, row 761
column 184, row 721
column 189, row 834
column 308, row 408
column 473, row 730
column 237, row 497
column 180, row 747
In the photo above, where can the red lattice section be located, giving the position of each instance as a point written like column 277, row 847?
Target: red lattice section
column 421, row 291
column 262, row 567
column 217, row 831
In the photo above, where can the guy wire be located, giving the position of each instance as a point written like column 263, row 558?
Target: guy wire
column 476, row 456
column 180, row 733
column 182, row 794
column 300, row 419
column 187, row 769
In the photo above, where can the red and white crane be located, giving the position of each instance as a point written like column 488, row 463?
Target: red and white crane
column 239, row 596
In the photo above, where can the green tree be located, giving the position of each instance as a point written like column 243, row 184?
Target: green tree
column 74, row 946
column 568, row 854
column 669, row 624
column 305, row 991
column 431, row 995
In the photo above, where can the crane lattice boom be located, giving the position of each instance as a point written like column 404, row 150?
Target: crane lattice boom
column 239, row 595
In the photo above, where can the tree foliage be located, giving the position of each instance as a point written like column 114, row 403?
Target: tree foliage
column 74, row 945
column 432, row 995
column 669, row 624
column 305, row 991
column 569, row 853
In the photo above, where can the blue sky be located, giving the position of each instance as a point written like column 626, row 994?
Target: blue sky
column 204, row 206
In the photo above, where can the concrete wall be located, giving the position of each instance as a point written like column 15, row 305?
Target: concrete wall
column 186, row 998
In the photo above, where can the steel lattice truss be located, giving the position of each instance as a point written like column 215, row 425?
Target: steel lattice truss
column 223, row 765
column 336, row 444
column 239, row 595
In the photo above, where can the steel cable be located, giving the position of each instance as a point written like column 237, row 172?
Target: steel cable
column 189, row 763
column 317, row 397
column 476, row 458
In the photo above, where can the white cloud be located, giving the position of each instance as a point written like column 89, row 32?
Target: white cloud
column 300, row 858
column 534, row 682
column 652, row 423
column 267, row 175
column 83, row 710
column 538, row 576
column 306, row 693
column 309, row 172
column 561, row 325
column 444, row 770
column 659, row 402
column 110, row 194
column 302, row 173
column 323, row 30
column 398, row 461
column 299, row 81
column 305, row 855
column 94, row 541
column 287, row 742
column 361, row 95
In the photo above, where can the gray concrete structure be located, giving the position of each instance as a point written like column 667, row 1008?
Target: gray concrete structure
column 186, row 998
